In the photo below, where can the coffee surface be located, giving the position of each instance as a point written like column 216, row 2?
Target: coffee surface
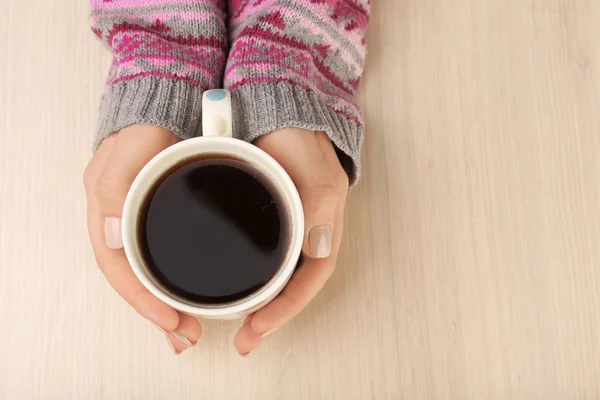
column 213, row 231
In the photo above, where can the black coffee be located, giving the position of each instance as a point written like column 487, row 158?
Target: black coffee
column 213, row 230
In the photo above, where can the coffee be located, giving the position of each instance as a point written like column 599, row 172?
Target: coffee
column 213, row 230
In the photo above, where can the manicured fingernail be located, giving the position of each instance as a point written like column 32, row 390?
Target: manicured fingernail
column 319, row 241
column 267, row 333
column 112, row 233
column 248, row 353
column 182, row 339
column 158, row 327
column 171, row 345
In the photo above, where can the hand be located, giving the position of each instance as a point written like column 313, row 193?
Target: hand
column 107, row 179
column 312, row 163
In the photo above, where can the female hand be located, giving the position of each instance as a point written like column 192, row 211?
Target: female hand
column 312, row 163
column 107, row 179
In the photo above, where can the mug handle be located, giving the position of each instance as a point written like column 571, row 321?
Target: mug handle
column 216, row 113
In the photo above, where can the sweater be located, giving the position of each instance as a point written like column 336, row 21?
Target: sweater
column 287, row 63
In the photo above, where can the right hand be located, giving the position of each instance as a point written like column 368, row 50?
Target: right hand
column 107, row 179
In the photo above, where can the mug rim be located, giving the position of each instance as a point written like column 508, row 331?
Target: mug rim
column 196, row 147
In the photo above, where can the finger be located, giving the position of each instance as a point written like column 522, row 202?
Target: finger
column 189, row 330
column 175, row 344
column 186, row 335
column 134, row 147
column 246, row 340
column 310, row 160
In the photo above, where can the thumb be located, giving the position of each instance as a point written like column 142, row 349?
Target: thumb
column 319, row 200
column 305, row 155
column 323, row 191
column 134, row 147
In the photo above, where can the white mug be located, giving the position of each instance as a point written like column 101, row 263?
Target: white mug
column 216, row 140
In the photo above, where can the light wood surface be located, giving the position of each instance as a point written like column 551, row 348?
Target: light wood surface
column 471, row 262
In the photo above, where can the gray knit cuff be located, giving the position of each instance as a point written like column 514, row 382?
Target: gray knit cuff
column 173, row 104
column 260, row 108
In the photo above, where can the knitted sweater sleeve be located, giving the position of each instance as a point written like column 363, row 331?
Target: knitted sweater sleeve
column 165, row 54
column 298, row 63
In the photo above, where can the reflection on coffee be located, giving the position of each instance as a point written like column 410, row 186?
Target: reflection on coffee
column 213, row 230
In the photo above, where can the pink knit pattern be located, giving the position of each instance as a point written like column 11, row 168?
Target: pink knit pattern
column 318, row 45
column 175, row 39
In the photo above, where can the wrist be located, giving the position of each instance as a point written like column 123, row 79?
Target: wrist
column 260, row 108
column 171, row 104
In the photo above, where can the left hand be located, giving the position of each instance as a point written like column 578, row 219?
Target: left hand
column 107, row 179
column 312, row 163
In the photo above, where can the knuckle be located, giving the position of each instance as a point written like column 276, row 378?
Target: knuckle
column 326, row 192
column 294, row 295
column 325, row 188
column 104, row 186
column 322, row 201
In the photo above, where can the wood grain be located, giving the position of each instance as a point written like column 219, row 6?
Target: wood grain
column 470, row 268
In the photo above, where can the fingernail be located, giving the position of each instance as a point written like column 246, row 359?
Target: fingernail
column 267, row 333
column 319, row 241
column 112, row 233
column 158, row 327
column 182, row 339
column 171, row 345
column 248, row 353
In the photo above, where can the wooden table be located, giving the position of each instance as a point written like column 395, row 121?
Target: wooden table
column 471, row 262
